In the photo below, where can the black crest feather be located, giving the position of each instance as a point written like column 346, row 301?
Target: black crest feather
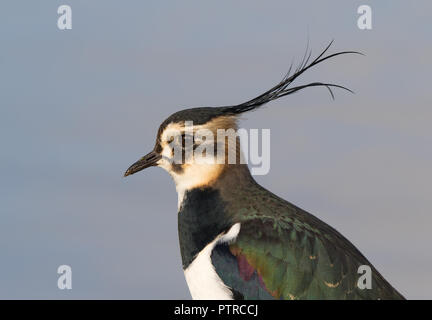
column 202, row 115
column 283, row 89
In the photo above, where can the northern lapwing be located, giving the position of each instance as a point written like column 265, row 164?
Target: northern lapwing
column 239, row 240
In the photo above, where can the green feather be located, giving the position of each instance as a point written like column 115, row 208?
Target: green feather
column 296, row 255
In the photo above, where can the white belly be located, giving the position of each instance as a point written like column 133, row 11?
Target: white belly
column 201, row 277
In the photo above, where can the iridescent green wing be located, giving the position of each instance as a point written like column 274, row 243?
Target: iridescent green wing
column 295, row 256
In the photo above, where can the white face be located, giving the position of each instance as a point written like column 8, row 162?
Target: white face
column 194, row 155
column 188, row 156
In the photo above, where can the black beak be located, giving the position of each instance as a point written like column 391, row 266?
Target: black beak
column 148, row 160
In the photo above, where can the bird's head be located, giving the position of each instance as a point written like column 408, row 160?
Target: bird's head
column 196, row 145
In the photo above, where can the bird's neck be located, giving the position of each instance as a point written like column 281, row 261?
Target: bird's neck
column 222, row 177
column 204, row 212
column 202, row 217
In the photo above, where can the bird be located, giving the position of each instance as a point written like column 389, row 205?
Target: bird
column 239, row 241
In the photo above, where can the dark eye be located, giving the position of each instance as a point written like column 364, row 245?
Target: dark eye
column 171, row 139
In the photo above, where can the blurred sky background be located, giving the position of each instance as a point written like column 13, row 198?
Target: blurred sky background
column 78, row 107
